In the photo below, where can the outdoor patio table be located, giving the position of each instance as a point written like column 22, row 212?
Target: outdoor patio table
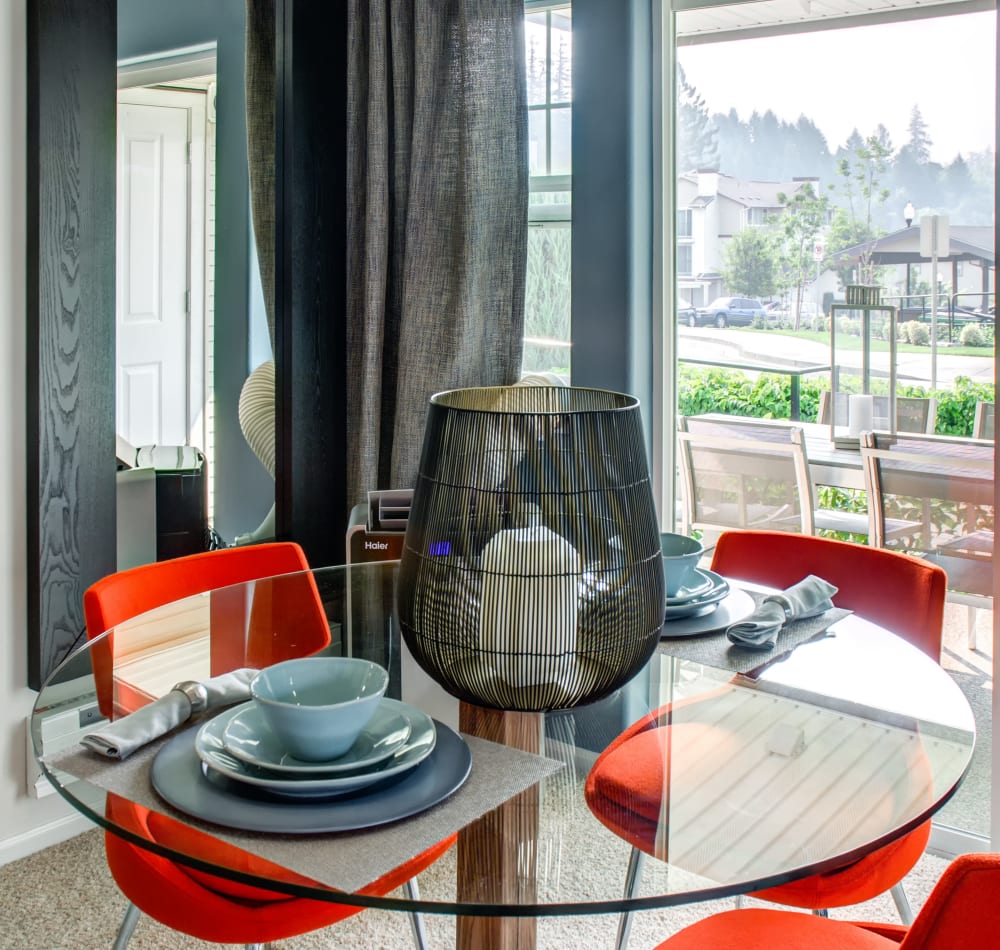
column 843, row 468
column 776, row 812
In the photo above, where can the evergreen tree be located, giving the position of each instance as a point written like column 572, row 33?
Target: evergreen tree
column 960, row 197
column 697, row 136
column 735, row 147
column 919, row 145
column 812, row 154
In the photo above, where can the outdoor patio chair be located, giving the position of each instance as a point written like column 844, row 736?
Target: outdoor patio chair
column 913, row 413
column 948, row 484
column 746, row 474
column 961, row 911
column 982, row 424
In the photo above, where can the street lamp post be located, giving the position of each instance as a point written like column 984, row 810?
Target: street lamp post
column 909, row 213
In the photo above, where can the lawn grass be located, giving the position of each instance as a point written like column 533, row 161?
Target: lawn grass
column 847, row 342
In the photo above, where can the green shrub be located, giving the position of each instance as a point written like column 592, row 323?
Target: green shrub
column 701, row 390
column 915, row 332
column 848, row 326
column 972, row 335
column 707, row 389
column 956, row 407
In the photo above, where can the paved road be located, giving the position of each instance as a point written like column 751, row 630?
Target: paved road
column 775, row 349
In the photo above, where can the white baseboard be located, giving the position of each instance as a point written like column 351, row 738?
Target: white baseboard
column 62, row 829
column 947, row 842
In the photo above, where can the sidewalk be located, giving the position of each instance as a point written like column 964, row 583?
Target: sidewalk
column 773, row 348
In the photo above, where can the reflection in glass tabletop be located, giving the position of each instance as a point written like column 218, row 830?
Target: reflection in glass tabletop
column 835, row 749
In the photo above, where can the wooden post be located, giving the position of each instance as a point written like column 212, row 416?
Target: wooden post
column 497, row 854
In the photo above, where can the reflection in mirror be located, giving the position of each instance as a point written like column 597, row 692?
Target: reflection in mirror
column 78, row 393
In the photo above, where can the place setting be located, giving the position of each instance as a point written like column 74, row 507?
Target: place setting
column 699, row 601
column 724, row 626
column 313, row 746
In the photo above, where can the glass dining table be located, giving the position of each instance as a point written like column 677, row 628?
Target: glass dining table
column 834, row 746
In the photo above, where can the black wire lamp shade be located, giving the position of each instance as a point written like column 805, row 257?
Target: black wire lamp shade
column 531, row 574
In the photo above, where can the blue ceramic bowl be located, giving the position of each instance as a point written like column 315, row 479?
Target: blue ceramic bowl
column 316, row 706
column 680, row 557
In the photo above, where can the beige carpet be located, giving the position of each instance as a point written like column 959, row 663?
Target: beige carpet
column 63, row 898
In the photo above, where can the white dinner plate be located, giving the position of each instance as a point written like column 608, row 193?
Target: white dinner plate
column 737, row 605
column 211, row 750
column 247, row 735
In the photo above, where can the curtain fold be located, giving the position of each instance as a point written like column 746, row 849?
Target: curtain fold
column 437, row 218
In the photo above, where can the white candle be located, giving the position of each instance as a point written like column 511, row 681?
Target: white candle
column 860, row 412
column 529, row 605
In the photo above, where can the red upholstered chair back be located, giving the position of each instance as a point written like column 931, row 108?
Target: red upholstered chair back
column 904, row 594
column 284, row 618
column 281, row 615
column 962, row 910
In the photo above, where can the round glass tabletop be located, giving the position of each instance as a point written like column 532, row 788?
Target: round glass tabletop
column 733, row 781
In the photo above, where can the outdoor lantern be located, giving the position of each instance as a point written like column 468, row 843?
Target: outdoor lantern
column 531, row 576
column 862, row 377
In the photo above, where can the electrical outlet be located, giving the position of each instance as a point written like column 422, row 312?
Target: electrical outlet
column 89, row 715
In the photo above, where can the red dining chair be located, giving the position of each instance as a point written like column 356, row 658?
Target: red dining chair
column 902, row 593
column 962, row 911
column 891, row 589
column 285, row 619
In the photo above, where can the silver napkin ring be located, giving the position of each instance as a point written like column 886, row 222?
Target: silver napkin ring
column 196, row 693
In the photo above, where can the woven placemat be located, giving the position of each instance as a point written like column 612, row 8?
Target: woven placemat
column 346, row 861
column 714, row 649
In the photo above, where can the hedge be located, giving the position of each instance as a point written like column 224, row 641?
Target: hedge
column 701, row 390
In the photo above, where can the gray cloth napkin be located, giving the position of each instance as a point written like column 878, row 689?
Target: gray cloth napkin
column 808, row 598
column 121, row 738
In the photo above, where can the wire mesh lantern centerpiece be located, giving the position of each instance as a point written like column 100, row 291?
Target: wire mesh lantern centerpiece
column 531, row 574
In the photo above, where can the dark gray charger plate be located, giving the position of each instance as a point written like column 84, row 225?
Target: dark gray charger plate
column 178, row 777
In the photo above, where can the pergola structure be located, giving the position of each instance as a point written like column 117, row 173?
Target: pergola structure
column 966, row 243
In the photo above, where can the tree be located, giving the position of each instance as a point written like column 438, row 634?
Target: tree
column 960, row 191
column 859, row 195
column 803, row 219
column 735, row 149
column 697, row 136
column 883, row 138
column 749, row 265
column 919, row 145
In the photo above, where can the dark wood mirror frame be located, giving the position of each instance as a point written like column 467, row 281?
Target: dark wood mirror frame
column 70, row 322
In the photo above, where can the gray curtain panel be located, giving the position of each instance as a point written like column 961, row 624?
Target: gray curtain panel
column 437, row 217
column 260, row 141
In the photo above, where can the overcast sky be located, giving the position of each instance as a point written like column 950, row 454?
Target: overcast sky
column 845, row 79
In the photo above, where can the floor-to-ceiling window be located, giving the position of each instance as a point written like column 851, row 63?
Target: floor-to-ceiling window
column 808, row 158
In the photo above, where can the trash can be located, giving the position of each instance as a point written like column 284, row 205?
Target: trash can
column 181, row 498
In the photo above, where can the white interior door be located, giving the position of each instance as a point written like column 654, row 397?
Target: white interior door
column 160, row 242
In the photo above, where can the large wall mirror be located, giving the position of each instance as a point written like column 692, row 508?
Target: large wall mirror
column 79, row 53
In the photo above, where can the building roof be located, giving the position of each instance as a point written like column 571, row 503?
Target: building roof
column 967, row 243
column 757, row 194
column 749, row 194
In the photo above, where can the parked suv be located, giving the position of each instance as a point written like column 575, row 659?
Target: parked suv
column 730, row 311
